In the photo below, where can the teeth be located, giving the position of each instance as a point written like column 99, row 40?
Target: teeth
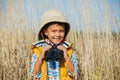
column 56, row 38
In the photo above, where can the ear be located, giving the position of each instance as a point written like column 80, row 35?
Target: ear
column 45, row 32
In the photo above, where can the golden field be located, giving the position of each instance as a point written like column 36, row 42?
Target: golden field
column 98, row 49
column 98, row 54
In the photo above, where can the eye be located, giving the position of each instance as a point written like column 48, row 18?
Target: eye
column 53, row 31
column 62, row 31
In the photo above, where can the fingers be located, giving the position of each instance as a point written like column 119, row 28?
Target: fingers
column 61, row 47
column 47, row 47
column 44, row 49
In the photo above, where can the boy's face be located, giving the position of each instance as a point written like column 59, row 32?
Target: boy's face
column 55, row 33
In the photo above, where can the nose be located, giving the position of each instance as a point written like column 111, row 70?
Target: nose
column 57, row 33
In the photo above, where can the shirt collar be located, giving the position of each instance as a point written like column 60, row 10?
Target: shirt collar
column 41, row 42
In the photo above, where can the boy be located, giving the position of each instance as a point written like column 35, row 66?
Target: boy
column 53, row 57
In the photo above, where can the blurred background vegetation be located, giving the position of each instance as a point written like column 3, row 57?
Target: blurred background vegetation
column 95, row 32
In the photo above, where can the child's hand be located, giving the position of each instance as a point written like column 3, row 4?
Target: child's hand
column 44, row 49
column 61, row 47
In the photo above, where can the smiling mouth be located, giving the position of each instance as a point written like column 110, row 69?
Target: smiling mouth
column 57, row 38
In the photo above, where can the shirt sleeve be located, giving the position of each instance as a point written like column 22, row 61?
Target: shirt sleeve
column 33, row 60
column 75, row 63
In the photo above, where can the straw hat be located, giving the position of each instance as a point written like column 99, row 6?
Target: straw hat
column 52, row 16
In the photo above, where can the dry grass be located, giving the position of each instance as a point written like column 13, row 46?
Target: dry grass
column 99, row 57
column 98, row 52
